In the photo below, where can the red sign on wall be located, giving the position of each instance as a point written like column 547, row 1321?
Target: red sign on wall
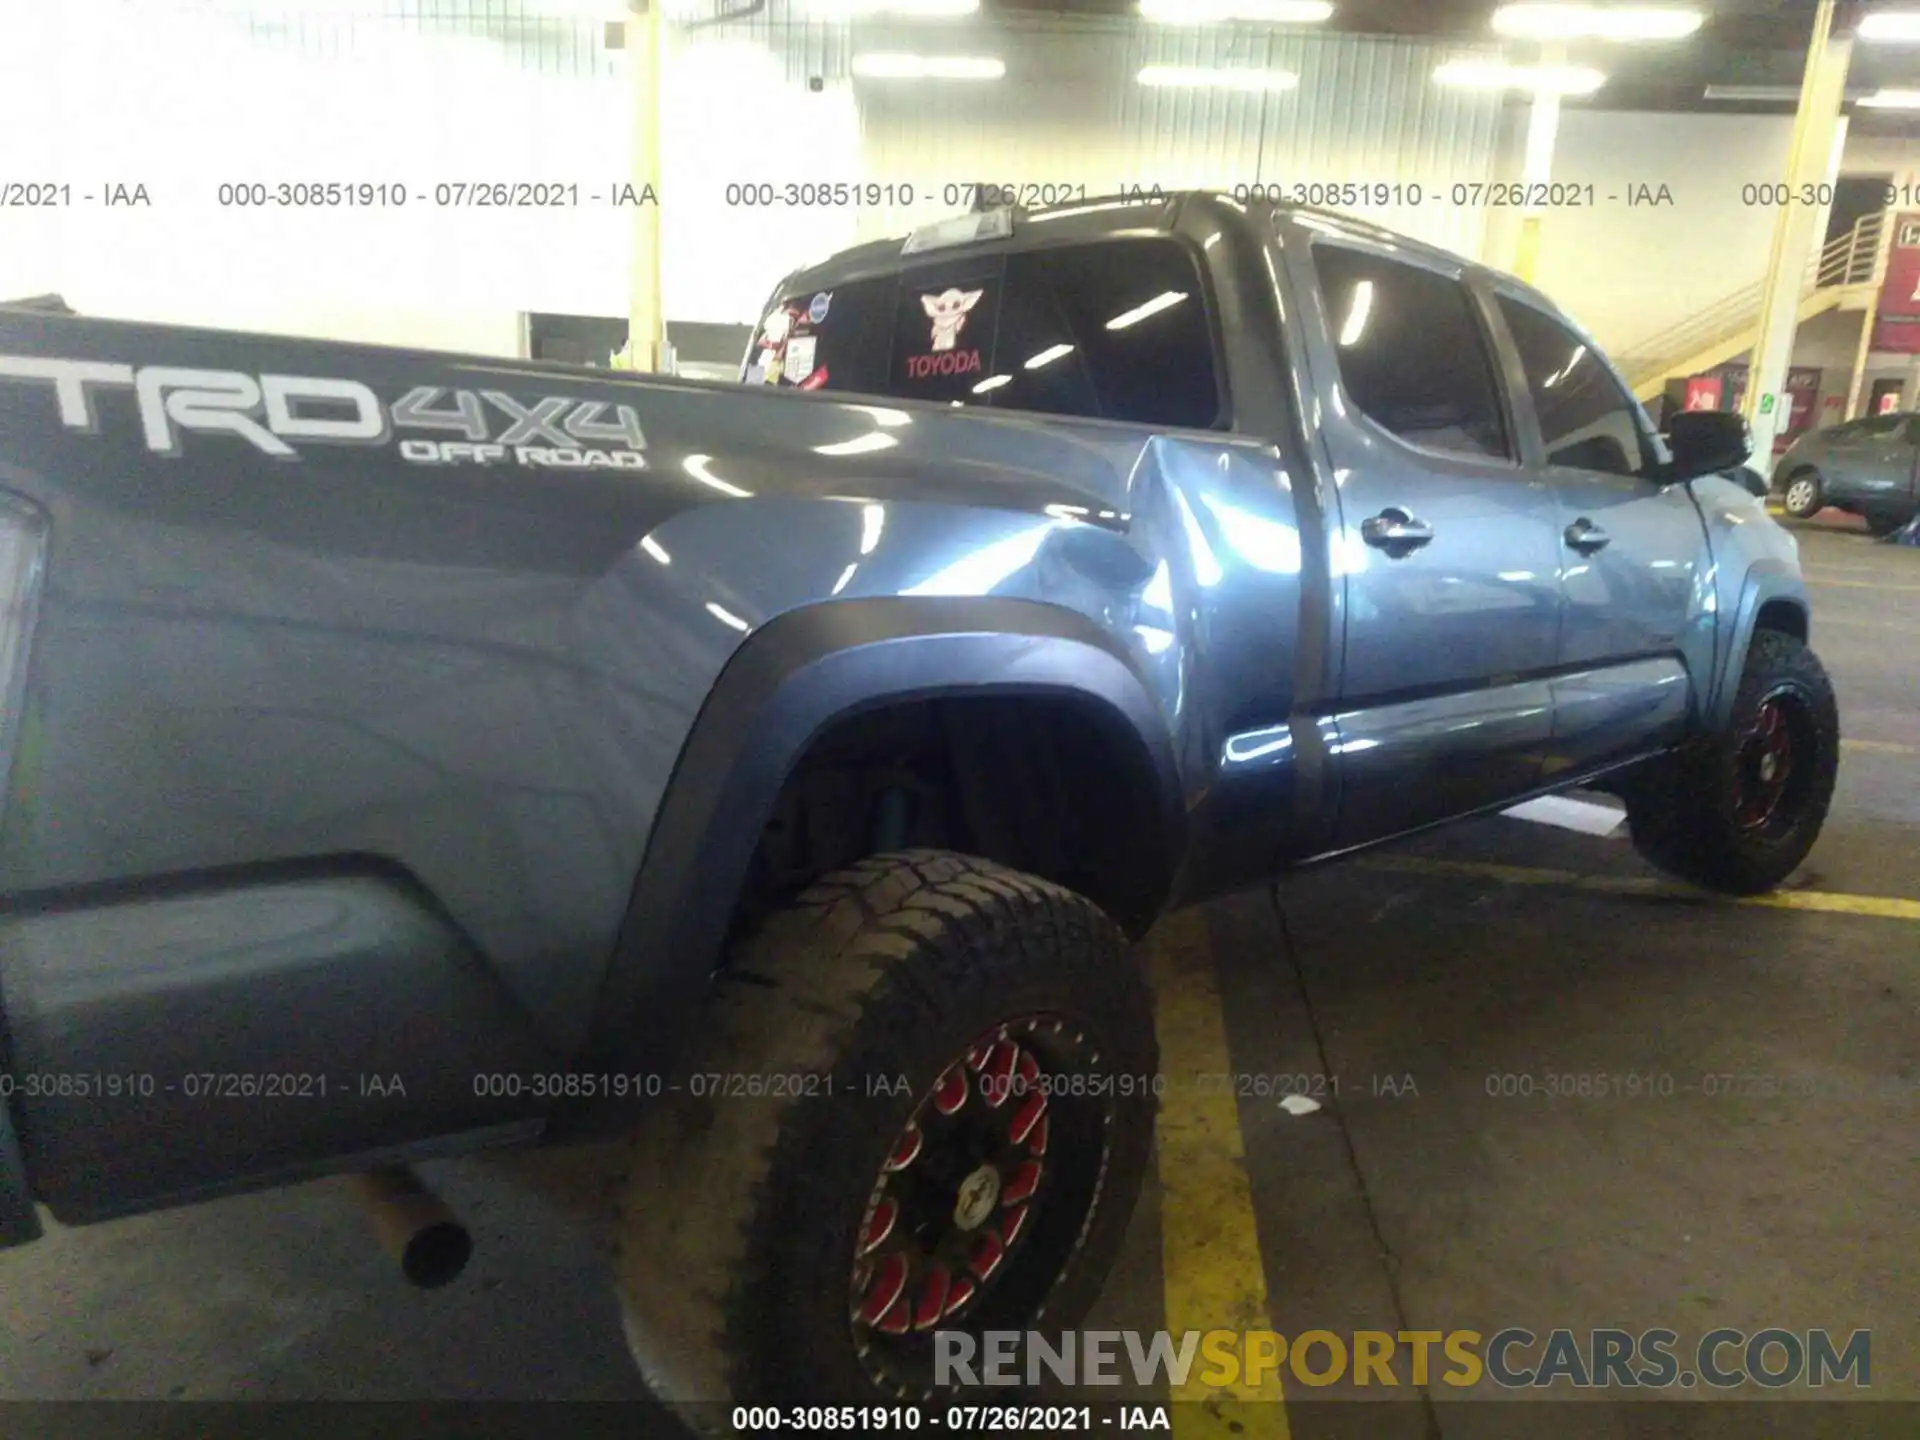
column 1898, row 327
column 1703, row 392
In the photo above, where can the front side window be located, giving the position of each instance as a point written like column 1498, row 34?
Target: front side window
column 1412, row 353
column 1586, row 419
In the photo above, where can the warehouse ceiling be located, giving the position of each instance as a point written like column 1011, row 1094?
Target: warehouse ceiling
column 1746, row 43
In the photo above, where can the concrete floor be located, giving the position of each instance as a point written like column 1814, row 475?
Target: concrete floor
column 1440, row 1210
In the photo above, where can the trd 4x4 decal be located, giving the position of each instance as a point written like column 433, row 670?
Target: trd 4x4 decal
column 271, row 412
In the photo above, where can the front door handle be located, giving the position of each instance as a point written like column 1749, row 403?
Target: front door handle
column 1586, row 537
column 1396, row 532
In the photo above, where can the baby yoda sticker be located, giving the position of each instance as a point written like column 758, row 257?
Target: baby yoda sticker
column 948, row 311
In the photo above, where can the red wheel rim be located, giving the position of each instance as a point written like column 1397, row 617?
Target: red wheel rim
column 979, row 1202
column 1769, row 766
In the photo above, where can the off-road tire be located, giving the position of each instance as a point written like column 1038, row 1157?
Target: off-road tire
column 1684, row 812
column 1804, row 495
column 738, row 1228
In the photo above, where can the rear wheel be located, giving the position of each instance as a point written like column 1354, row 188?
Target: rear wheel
column 926, row 1101
column 1740, row 809
column 1805, row 496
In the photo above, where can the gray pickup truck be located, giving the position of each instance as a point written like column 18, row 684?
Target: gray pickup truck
column 410, row 754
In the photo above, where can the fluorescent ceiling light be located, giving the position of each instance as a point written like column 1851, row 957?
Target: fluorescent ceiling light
column 1892, row 100
column 1771, row 94
column 1152, row 307
column 1597, row 22
column 1202, row 78
column 928, row 67
column 726, row 616
column 610, row 10
column 1213, row 12
column 906, row 9
column 992, row 383
column 1540, row 79
column 1894, row 25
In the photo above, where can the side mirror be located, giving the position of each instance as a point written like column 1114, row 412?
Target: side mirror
column 1707, row 442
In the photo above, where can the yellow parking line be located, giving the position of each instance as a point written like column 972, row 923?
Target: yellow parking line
column 1879, row 907
column 1880, row 747
column 1857, row 624
column 1864, row 585
column 1209, row 1243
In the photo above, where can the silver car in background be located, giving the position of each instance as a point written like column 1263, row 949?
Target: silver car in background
column 1866, row 467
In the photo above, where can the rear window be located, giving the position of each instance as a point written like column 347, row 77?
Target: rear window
column 1116, row 330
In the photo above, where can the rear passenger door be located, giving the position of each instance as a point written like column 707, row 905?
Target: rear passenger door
column 1631, row 549
column 1445, row 559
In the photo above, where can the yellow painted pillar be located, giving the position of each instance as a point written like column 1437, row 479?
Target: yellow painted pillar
column 646, row 321
column 1543, row 134
column 1810, row 162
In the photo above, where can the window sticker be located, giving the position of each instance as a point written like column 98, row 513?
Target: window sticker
column 773, row 343
column 799, row 362
column 948, row 311
column 817, row 311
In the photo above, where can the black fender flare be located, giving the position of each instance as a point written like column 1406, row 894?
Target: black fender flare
column 787, row 684
column 1767, row 582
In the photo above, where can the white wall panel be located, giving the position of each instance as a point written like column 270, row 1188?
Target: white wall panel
column 185, row 96
column 184, row 100
column 1627, row 273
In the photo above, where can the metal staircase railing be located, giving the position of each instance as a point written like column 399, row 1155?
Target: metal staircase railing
column 1849, row 259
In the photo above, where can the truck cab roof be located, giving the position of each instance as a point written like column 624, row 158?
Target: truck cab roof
column 1117, row 215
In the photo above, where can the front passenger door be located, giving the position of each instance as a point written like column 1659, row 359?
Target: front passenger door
column 1633, row 553
column 1445, row 553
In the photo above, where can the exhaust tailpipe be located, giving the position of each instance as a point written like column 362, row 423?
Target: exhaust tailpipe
column 414, row 1226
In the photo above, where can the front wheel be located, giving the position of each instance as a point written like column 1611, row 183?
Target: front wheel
column 1739, row 810
column 1805, row 496
column 926, row 1103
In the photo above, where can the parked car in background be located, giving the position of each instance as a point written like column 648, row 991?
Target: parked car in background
column 1866, row 467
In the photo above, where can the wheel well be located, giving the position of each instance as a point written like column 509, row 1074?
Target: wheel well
column 1784, row 616
column 1051, row 785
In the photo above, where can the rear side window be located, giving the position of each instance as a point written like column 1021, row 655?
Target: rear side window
column 1412, row 353
column 1117, row 330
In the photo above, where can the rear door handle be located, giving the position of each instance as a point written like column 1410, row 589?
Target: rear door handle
column 1586, row 537
column 1396, row 532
